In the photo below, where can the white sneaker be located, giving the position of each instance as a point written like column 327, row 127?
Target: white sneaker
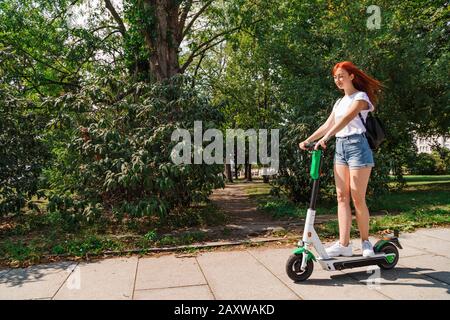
column 337, row 250
column 367, row 249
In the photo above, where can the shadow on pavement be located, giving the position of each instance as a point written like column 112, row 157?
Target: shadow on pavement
column 19, row 277
column 394, row 277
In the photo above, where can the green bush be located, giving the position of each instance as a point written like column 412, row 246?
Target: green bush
column 23, row 153
column 442, row 158
column 118, row 159
column 424, row 163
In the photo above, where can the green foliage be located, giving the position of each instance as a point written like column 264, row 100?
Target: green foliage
column 301, row 41
column 109, row 135
column 119, row 161
column 436, row 162
column 280, row 208
column 23, row 153
column 151, row 235
column 442, row 157
column 411, row 220
column 425, row 164
column 405, row 222
column 140, row 17
column 183, row 239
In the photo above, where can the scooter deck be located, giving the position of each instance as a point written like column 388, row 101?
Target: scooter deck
column 355, row 261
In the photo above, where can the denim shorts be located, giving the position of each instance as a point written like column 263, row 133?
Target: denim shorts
column 353, row 151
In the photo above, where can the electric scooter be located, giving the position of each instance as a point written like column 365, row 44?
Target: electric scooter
column 299, row 266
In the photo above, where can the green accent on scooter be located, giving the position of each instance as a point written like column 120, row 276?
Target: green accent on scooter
column 390, row 257
column 379, row 245
column 315, row 165
column 309, row 253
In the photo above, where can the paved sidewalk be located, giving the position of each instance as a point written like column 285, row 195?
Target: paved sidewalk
column 423, row 272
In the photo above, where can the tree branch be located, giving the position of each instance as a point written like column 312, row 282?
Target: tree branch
column 200, row 49
column 196, row 51
column 195, row 17
column 91, row 53
column 196, row 69
column 63, row 12
column 116, row 17
column 182, row 20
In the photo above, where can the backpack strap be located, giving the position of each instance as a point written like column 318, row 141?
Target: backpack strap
column 362, row 120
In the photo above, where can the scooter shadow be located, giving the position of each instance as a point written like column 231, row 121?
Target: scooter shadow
column 394, row 277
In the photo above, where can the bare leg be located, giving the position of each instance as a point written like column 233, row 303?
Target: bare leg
column 342, row 180
column 359, row 178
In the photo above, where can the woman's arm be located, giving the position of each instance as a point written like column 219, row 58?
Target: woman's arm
column 323, row 129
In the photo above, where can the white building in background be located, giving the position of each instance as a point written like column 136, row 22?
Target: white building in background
column 425, row 144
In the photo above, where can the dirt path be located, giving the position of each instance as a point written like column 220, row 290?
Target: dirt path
column 245, row 221
column 244, row 218
column 238, row 205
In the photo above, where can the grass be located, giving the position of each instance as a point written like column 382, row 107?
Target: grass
column 33, row 237
column 424, row 202
column 419, row 194
column 405, row 222
column 424, row 179
column 424, row 196
column 282, row 207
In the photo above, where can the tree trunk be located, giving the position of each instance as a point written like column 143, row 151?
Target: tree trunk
column 245, row 170
column 163, row 41
column 235, row 162
column 228, row 172
column 249, row 171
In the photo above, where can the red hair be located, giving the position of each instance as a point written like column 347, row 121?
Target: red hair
column 361, row 81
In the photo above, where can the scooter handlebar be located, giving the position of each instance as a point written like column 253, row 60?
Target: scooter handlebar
column 310, row 146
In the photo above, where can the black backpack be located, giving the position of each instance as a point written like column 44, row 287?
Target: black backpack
column 375, row 132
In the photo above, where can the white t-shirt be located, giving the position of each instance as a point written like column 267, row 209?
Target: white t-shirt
column 355, row 125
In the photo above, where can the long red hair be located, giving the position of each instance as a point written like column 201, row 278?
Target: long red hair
column 361, row 81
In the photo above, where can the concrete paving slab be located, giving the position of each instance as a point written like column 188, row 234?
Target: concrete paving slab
column 427, row 244
column 105, row 279
column 41, row 281
column 439, row 233
column 201, row 292
column 403, row 284
column 436, row 267
column 322, row 284
column 168, row 271
column 238, row 275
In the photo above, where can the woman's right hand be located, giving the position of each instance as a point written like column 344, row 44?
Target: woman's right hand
column 302, row 145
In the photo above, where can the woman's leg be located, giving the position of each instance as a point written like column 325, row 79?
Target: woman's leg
column 342, row 180
column 359, row 179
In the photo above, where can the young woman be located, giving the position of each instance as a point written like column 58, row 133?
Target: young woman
column 353, row 160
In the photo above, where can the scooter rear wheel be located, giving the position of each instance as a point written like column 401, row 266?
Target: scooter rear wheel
column 389, row 248
column 293, row 268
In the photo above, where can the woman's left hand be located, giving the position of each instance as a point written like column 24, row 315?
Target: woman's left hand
column 322, row 142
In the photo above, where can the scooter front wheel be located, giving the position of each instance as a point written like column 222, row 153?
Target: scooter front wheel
column 293, row 268
column 387, row 249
